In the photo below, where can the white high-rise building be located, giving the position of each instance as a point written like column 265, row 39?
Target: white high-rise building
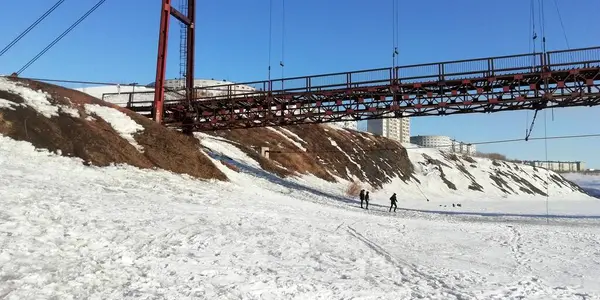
column 440, row 142
column 397, row 129
column 443, row 142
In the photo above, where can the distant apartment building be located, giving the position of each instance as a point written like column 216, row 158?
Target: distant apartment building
column 397, row 129
column 443, row 143
column 557, row 166
column 432, row 141
column 463, row 148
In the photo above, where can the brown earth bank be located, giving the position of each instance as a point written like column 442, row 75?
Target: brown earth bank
column 95, row 141
column 328, row 152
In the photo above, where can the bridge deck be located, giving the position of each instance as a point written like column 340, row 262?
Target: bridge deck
column 526, row 81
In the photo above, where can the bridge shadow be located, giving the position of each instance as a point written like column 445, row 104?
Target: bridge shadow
column 260, row 173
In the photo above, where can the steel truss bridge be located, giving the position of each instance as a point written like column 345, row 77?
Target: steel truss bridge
column 531, row 81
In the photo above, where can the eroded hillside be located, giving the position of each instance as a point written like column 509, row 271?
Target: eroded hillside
column 332, row 153
column 75, row 124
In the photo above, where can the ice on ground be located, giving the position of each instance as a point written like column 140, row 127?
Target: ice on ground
column 37, row 100
column 119, row 121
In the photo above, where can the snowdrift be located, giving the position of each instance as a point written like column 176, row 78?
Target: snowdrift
column 72, row 123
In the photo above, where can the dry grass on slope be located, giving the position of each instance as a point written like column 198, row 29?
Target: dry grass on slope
column 95, row 141
column 347, row 154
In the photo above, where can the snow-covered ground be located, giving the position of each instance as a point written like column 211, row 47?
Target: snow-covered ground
column 73, row 232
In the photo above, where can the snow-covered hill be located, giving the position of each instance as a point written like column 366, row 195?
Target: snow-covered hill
column 277, row 228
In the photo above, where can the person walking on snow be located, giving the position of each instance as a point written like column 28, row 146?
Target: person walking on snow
column 367, row 200
column 362, row 197
column 393, row 200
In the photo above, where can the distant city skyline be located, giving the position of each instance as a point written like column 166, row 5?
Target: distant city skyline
column 115, row 45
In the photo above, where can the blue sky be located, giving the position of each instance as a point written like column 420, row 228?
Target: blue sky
column 118, row 44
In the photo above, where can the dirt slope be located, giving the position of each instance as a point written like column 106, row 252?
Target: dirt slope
column 75, row 131
column 325, row 152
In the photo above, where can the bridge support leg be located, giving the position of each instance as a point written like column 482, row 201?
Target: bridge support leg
column 161, row 62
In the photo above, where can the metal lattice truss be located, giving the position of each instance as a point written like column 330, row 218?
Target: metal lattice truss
column 527, row 81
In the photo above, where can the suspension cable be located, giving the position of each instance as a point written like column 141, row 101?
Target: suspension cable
column 597, row 135
column 60, row 37
column 528, row 133
column 562, row 25
column 282, row 38
column 33, row 25
column 270, row 36
column 75, row 81
column 547, row 173
column 533, row 30
column 531, row 48
column 542, row 25
column 395, row 32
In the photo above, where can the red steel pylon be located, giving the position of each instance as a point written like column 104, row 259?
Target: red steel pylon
column 161, row 62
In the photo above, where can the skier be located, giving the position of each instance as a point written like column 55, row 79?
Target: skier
column 393, row 200
column 362, row 197
column 367, row 200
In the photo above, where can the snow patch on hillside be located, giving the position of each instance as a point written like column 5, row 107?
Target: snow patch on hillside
column 73, row 112
column 285, row 133
column 119, row 121
column 7, row 104
column 35, row 99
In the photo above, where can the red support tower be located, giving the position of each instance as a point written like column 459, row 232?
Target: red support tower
column 167, row 10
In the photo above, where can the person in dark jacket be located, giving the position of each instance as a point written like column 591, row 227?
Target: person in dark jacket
column 393, row 200
column 362, row 197
column 367, row 200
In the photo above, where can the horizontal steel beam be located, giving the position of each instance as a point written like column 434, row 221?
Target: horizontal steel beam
column 181, row 17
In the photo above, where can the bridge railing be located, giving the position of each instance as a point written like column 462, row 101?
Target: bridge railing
column 574, row 59
column 442, row 71
column 431, row 72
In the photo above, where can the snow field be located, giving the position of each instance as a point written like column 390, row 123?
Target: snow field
column 72, row 232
